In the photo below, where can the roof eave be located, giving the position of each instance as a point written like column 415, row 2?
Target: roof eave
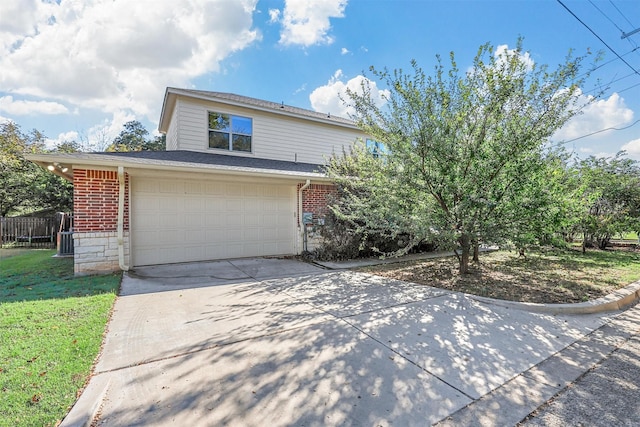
column 169, row 166
column 283, row 112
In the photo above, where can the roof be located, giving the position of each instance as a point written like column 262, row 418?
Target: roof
column 245, row 101
column 182, row 160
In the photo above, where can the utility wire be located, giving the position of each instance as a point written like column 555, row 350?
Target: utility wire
column 631, row 42
column 620, row 12
column 605, row 15
column 626, row 89
column 606, row 63
column 599, row 38
column 603, row 130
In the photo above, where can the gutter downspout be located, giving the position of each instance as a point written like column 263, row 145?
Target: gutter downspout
column 122, row 182
column 300, row 224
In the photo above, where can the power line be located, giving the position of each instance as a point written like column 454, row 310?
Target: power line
column 626, row 89
column 603, row 130
column 607, row 63
column 620, row 12
column 606, row 16
column 598, row 37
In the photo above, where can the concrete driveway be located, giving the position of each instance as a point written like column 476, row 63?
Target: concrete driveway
column 278, row 342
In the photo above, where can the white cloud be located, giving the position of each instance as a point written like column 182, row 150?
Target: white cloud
column 101, row 135
column 598, row 115
column 344, row 51
column 307, row 23
column 502, row 52
column 632, row 148
column 21, row 107
column 117, row 55
column 300, row 89
column 274, row 15
column 62, row 137
column 327, row 98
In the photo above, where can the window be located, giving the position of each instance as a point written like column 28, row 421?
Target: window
column 377, row 148
column 230, row 132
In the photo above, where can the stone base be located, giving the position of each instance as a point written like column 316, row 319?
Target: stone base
column 97, row 252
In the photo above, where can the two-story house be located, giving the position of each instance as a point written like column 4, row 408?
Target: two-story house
column 235, row 180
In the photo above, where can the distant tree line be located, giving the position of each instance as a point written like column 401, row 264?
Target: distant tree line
column 26, row 188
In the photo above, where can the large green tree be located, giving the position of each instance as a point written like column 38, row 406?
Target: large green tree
column 25, row 187
column 606, row 192
column 461, row 145
column 135, row 137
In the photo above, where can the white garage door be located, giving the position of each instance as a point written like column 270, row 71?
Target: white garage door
column 187, row 220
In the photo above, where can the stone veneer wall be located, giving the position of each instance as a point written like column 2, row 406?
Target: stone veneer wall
column 97, row 253
column 95, row 206
column 314, row 200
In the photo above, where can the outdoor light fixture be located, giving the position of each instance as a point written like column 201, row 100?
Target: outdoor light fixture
column 58, row 166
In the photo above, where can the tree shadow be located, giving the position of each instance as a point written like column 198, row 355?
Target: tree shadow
column 339, row 348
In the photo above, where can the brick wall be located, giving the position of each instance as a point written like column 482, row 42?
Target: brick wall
column 314, row 198
column 95, row 222
column 95, row 201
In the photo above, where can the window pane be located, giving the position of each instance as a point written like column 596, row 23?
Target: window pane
column 219, row 121
column 241, row 125
column 241, row 143
column 218, row 140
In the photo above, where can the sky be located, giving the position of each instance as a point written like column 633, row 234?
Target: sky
column 77, row 70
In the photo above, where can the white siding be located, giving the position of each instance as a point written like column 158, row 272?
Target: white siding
column 172, row 132
column 275, row 136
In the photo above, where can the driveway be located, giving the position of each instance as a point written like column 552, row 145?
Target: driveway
column 278, row 342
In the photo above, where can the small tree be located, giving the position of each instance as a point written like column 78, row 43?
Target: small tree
column 461, row 145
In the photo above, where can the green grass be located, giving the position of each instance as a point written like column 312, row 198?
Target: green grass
column 51, row 328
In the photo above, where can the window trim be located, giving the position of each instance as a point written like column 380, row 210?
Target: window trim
column 230, row 133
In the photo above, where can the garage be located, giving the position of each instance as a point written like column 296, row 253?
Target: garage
column 182, row 220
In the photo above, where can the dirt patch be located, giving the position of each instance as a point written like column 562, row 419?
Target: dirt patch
column 551, row 276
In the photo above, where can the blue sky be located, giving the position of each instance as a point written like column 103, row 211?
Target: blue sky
column 80, row 70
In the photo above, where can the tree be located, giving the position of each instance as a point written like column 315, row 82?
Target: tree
column 134, row 137
column 15, row 171
column 25, row 187
column 461, row 145
column 607, row 192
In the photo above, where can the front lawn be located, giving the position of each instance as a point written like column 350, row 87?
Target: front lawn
column 51, row 329
column 545, row 276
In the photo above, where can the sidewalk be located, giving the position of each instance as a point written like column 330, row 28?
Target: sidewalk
column 593, row 382
column 608, row 394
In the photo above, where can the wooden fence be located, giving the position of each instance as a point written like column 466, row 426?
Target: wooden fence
column 29, row 232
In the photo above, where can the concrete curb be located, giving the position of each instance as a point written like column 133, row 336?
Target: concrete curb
column 513, row 401
column 87, row 407
column 618, row 300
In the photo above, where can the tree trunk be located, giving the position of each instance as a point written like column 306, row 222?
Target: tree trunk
column 476, row 252
column 465, row 244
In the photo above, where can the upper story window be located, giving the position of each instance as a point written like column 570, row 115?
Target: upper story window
column 377, row 148
column 230, row 132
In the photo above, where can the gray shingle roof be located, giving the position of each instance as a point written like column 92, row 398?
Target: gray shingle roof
column 213, row 159
column 265, row 105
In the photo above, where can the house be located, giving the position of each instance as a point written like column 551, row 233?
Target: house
column 237, row 178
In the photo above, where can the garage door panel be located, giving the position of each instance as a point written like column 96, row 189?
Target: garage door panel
column 191, row 220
